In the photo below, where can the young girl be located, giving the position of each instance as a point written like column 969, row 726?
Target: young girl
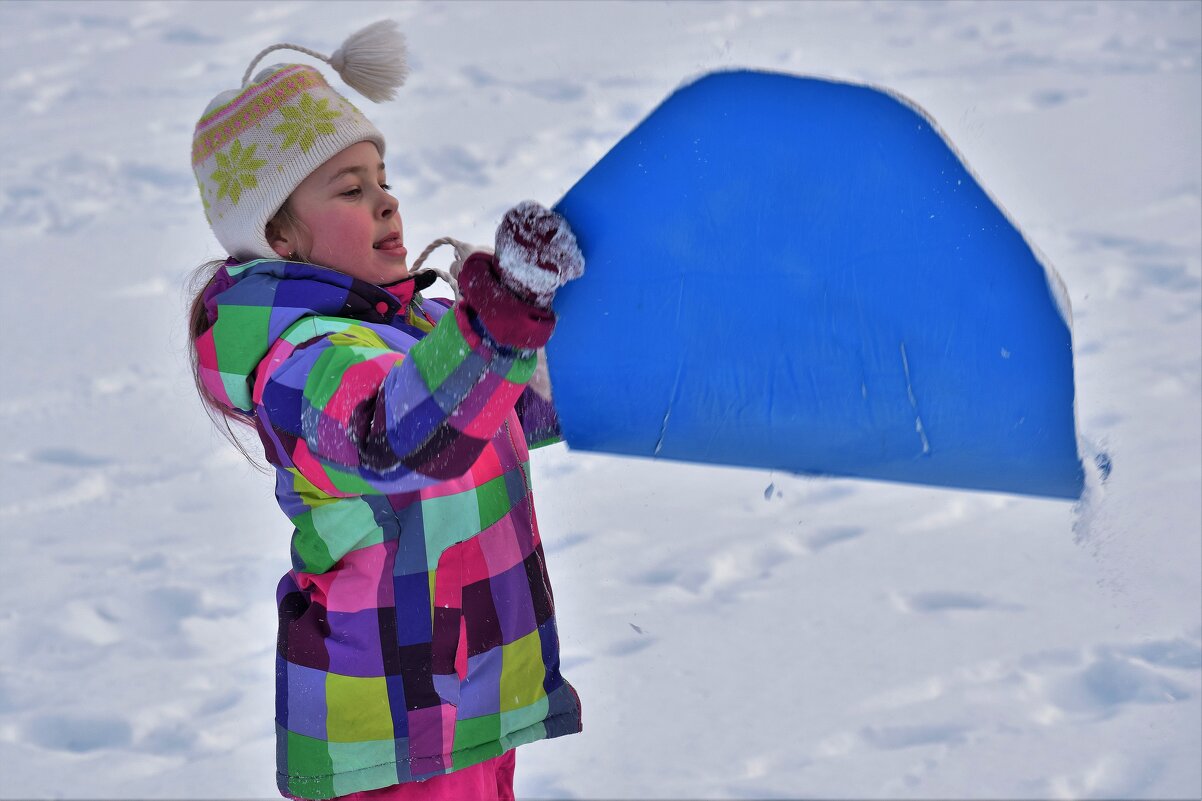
column 417, row 642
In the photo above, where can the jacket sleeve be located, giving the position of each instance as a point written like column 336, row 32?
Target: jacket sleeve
column 536, row 411
column 535, row 407
column 356, row 415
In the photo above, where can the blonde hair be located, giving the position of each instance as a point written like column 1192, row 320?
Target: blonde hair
column 286, row 218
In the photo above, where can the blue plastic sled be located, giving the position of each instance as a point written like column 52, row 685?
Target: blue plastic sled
column 801, row 274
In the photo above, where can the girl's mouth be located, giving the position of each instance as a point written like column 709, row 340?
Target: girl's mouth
column 391, row 244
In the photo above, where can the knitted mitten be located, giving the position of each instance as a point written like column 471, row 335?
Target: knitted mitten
column 537, row 252
column 511, row 292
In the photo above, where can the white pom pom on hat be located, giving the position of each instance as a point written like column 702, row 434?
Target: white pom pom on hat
column 371, row 61
column 254, row 145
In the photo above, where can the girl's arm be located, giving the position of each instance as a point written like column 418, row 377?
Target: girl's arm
column 534, row 407
column 355, row 416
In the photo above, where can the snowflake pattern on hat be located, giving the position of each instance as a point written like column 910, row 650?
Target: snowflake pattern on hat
column 237, row 171
column 305, row 121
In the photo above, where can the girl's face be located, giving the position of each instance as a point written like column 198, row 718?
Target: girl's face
column 348, row 221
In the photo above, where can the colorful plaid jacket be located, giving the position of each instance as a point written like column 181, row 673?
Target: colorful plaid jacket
column 417, row 629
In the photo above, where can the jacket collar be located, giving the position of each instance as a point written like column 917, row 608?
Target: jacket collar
column 326, row 291
column 406, row 289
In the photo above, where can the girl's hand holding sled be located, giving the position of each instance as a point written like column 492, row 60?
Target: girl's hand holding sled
column 511, row 292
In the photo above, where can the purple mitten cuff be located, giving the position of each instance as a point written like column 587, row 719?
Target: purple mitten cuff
column 508, row 319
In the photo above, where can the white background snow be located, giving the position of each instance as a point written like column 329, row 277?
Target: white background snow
column 733, row 633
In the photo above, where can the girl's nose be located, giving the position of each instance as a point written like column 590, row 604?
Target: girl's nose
column 388, row 205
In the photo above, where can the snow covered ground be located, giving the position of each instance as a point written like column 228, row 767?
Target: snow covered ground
column 733, row 633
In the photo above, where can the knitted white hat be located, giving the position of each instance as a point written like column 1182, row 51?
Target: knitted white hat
column 254, row 145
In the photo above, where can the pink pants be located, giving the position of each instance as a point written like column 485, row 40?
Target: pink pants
column 491, row 780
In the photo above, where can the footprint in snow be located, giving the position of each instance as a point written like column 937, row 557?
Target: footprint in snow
column 1110, row 682
column 175, row 737
column 1179, row 653
column 891, row 738
column 457, row 164
column 569, row 663
column 156, row 616
column 68, row 457
column 943, row 601
column 1051, row 98
column 630, row 646
column 722, row 574
column 185, row 35
column 825, row 538
column 563, row 543
column 78, row 734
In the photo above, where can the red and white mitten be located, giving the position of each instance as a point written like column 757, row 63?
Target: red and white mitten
column 537, row 252
column 511, row 292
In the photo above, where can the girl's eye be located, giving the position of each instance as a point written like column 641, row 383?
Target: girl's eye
column 352, row 192
column 386, row 187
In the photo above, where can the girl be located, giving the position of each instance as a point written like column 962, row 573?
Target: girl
column 417, row 642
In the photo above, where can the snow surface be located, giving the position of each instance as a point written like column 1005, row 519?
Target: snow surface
column 733, row 633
